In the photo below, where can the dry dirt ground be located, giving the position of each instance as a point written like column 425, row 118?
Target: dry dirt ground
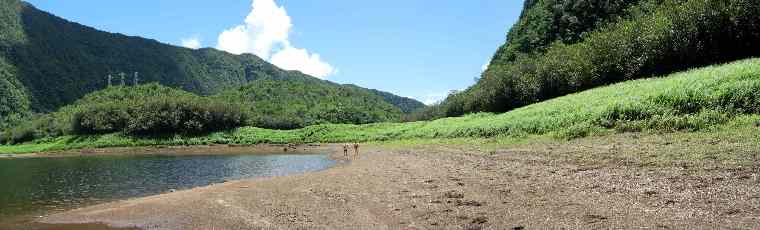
column 540, row 186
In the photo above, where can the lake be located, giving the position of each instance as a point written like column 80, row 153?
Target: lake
column 36, row 186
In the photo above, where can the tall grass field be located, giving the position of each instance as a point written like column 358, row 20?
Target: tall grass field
column 699, row 99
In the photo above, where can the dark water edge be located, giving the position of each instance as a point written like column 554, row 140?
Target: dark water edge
column 34, row 187
column 30, row 225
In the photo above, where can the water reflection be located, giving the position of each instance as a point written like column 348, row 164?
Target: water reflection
column 37, row 185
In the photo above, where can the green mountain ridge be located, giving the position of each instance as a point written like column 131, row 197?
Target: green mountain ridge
column 559, row 47
column 47, row 62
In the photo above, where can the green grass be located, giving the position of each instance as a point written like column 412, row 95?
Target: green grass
column 700, row 101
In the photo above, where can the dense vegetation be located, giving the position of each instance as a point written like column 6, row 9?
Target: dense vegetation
column 304, row 102
column 543, row 22
column 47, row 62
column 545, row 57
column 407, row 105
column 152, row 109
column 700, row 99
column 144, row 110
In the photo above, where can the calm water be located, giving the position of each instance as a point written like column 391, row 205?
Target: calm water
column 37, row 185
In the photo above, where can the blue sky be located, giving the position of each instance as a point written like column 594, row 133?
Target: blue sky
column 418, row 48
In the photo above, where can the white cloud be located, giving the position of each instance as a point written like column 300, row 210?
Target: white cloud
column 192, row 42
column 265, row 34
column 291, row 58
column 433, row 98
column 484, row 67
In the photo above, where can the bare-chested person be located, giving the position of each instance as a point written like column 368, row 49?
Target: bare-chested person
column 356, row 149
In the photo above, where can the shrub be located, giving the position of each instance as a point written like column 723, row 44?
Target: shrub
column 143, row 110
column 743, row 96
column 162, row 115
column 658, row 37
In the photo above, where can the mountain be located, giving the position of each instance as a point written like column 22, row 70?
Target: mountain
column 47, row 62
column 310, row 101
column 559, row 47
column 407, row 105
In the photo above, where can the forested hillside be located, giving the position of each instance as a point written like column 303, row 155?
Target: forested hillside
column 563, row 46
column 310, row 101
column 152, row 109
column 47, row 62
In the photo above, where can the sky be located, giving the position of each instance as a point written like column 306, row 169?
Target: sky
column 421, row 49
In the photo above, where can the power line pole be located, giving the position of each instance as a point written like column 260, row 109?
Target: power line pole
column 109, row 80
column 137, row 78
column 123, row 76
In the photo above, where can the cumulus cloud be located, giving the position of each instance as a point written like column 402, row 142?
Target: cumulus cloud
column 192, row 42
column 433, row 98
column 265, row 34
column 484, row 67
column 291, row 58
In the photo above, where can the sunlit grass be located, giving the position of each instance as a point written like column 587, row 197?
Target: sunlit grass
column 701, row 101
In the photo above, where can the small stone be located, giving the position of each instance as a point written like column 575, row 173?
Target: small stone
column 480, row 220
column 471, row 203
column 453, row 194
column 518, row 227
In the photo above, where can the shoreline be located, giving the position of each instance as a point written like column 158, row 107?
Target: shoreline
column 183, row 150
column 443, row 187
column 30, row 221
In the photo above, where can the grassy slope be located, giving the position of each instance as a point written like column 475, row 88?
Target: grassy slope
column 714, row 101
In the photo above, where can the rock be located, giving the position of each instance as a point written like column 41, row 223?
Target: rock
column 518, row 227
column 480, row 220
column 172, row 190
column 470, row 203
column 594, row 218
column 453, row 194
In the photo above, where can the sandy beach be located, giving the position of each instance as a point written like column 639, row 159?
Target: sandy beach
column 438, row 187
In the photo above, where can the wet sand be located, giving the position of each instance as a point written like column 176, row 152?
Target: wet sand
column 440, row 187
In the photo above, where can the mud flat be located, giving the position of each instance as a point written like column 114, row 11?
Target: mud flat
column 540, row 186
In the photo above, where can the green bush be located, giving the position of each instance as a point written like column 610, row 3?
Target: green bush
column 743, row 96
column 144, row 110
column 159, row 116
column 656, row 37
